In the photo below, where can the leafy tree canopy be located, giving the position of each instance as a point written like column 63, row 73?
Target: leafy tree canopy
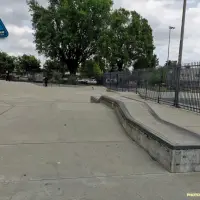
column 21, row 64
column 91, row 69
column 28, row 64
column 7, row 63
column 51, row 65
column 143, row 62
column 68, row 30
column 170, row 63
column 128, row 40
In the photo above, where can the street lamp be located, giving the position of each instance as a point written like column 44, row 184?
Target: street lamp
column 182, row 33
column 176, row 100
column 170, row 28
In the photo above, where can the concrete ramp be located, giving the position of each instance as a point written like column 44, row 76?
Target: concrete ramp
column 176, row 148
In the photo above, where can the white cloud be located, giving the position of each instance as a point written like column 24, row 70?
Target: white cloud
column 8, row 10
column 19, row 31
column 26, row 43
column 160, row 14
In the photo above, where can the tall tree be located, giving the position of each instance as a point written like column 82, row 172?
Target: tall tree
column 7, row 63
column 101, row 63
column 68, row 30
column 28, row 64
column 51, row 66
column 127, row 40
column 170, row 63
column 91, row 69
column 149, row 62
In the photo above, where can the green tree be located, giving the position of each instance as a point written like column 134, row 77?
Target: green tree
column 143, row 62
column 68, row 30
column 158, row 76
column 127, row 40
column 155, row 77
column 170, row 63
column 7, row 63
column 51, row 66
column 97, row 71
column 101, row 63
column 28, row 64
column 91, row 69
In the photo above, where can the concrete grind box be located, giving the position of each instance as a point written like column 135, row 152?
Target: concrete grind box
column 175, row 159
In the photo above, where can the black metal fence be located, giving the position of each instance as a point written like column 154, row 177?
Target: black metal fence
column 173, row 85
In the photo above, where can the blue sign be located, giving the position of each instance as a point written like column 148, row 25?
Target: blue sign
column 3, row 30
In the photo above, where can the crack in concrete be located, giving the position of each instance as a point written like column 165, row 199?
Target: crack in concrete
column 7, row 110
column 61, row 142
column 128, row 176
column 6, row 103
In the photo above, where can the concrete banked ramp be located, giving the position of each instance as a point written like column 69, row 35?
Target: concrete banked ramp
column 175, row 148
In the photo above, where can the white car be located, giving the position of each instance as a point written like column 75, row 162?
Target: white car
column 92, row 81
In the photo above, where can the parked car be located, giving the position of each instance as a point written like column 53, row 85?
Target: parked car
column 82, row 81
column 87, row 81
column 92, row 81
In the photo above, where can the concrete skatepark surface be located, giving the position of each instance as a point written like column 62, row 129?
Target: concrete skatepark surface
column 55, row 145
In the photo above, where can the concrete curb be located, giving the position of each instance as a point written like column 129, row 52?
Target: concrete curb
column 175, row 158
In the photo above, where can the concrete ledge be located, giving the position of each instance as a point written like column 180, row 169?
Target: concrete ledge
column 95, row 99
column 175, row 158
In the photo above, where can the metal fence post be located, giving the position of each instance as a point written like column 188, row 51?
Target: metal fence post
column 177, row 85
column 136, row 87
column 110, row 80
column 117, row 77
column 159, row 87
column 161, row 84
column 146, row 89
column 128, row 84
column 137, row 82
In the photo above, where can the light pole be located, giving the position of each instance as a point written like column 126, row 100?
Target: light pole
column 182, row 33
column 170, row 28
column 178, row 68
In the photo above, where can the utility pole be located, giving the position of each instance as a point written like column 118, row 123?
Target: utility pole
column 182, row 33
column 170, row 28
column 178, row 68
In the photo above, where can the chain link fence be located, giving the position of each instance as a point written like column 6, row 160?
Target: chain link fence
column 173, row 85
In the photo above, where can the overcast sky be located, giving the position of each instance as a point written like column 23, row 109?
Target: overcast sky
column 160, row 14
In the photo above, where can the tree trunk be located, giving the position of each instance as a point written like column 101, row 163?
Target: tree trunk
column 72, row 66
column 120, row 65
